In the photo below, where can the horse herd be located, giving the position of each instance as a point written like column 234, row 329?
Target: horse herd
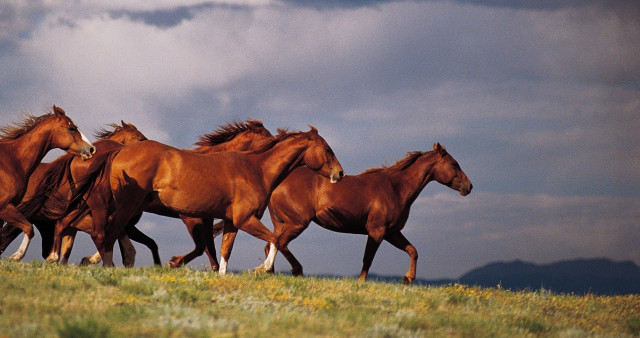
column 234, row 174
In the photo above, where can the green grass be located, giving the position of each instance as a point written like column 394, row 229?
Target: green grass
column 40, row 300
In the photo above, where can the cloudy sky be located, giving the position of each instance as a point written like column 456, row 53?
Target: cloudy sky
column 540, row 104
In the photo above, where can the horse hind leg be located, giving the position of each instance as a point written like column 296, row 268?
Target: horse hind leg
column 136, row 235
column 198, row 231
column 12, row 216
column 285, row 233
column 398, row 240
column 8, row 235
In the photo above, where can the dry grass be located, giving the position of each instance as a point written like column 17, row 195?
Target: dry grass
column 43, row 300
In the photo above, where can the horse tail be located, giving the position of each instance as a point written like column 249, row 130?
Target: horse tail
column 96, row 176
column 217, row 228
column 58, row 172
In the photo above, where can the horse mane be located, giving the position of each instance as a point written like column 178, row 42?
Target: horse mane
column 283, row 134
column 228, row 131
column 25, row 125
column 103, row 134
column 400, row 165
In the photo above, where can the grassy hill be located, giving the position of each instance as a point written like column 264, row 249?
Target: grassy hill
column 45, row 300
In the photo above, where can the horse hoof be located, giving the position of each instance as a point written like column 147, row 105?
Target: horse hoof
column 85, row 261
column 407, row 280
column 260, row 270
column 15, row 258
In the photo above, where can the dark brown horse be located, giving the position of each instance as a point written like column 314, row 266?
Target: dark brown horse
column 22, row 148
column 375, row 203
column 239, row 136
column 57, row 178
column 234, row 186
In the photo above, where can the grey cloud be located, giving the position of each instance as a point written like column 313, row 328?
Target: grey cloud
column 167, row 18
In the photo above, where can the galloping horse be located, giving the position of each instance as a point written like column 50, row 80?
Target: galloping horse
column 238, row 188
column 375, row 203
column 239, row 136
column 22, row 148
column 57, row 178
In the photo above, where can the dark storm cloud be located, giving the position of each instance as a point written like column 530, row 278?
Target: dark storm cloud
column 167, row 18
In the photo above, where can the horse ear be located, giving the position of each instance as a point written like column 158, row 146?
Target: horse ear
column 312, row 129
column 439, row 148
column 124, row 125
column 58, row 111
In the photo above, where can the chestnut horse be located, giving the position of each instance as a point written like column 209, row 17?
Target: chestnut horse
column 22, row 148
column 231, row 185
column 375, row 203
column 57, row 178
column 240, row 136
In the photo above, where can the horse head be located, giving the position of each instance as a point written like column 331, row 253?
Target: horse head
column 447, row 171
column 125, row 133
column 66, row 136
column 320, row 157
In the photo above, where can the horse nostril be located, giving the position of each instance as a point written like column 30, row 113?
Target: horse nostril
column 470, row 186
column 92, row 150
column 341, row 173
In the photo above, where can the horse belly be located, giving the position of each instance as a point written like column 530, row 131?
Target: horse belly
column 194, row 202
column 341, row 222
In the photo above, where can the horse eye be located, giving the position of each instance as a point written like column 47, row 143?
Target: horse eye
column 72, row 128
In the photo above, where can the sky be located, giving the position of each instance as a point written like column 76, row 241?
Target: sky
column 538, row 102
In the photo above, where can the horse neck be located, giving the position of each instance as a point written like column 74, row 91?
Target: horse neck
column 279, row 161
column 412, row 180
column 32, row 147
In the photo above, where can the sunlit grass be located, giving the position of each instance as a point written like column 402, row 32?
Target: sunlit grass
column 46, row 300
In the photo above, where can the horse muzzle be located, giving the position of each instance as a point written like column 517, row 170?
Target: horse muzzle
column 336, row 176
column 466, row 190
column 87, row 152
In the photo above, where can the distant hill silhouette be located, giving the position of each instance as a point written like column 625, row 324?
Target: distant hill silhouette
column 581, row 276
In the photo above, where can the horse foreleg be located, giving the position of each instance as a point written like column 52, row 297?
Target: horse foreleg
column 12, row 216
column 369, row 252
column 254, row 227
column 398, row 240
column 228, row 238
column 67, row 245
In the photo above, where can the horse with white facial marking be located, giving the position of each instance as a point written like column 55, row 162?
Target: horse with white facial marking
column 22, row 148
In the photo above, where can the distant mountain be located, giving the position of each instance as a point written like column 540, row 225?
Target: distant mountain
column 581, row 276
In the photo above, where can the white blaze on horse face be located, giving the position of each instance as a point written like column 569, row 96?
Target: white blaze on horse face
column 22, row 250
column 84, row 138
column 223, row 266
